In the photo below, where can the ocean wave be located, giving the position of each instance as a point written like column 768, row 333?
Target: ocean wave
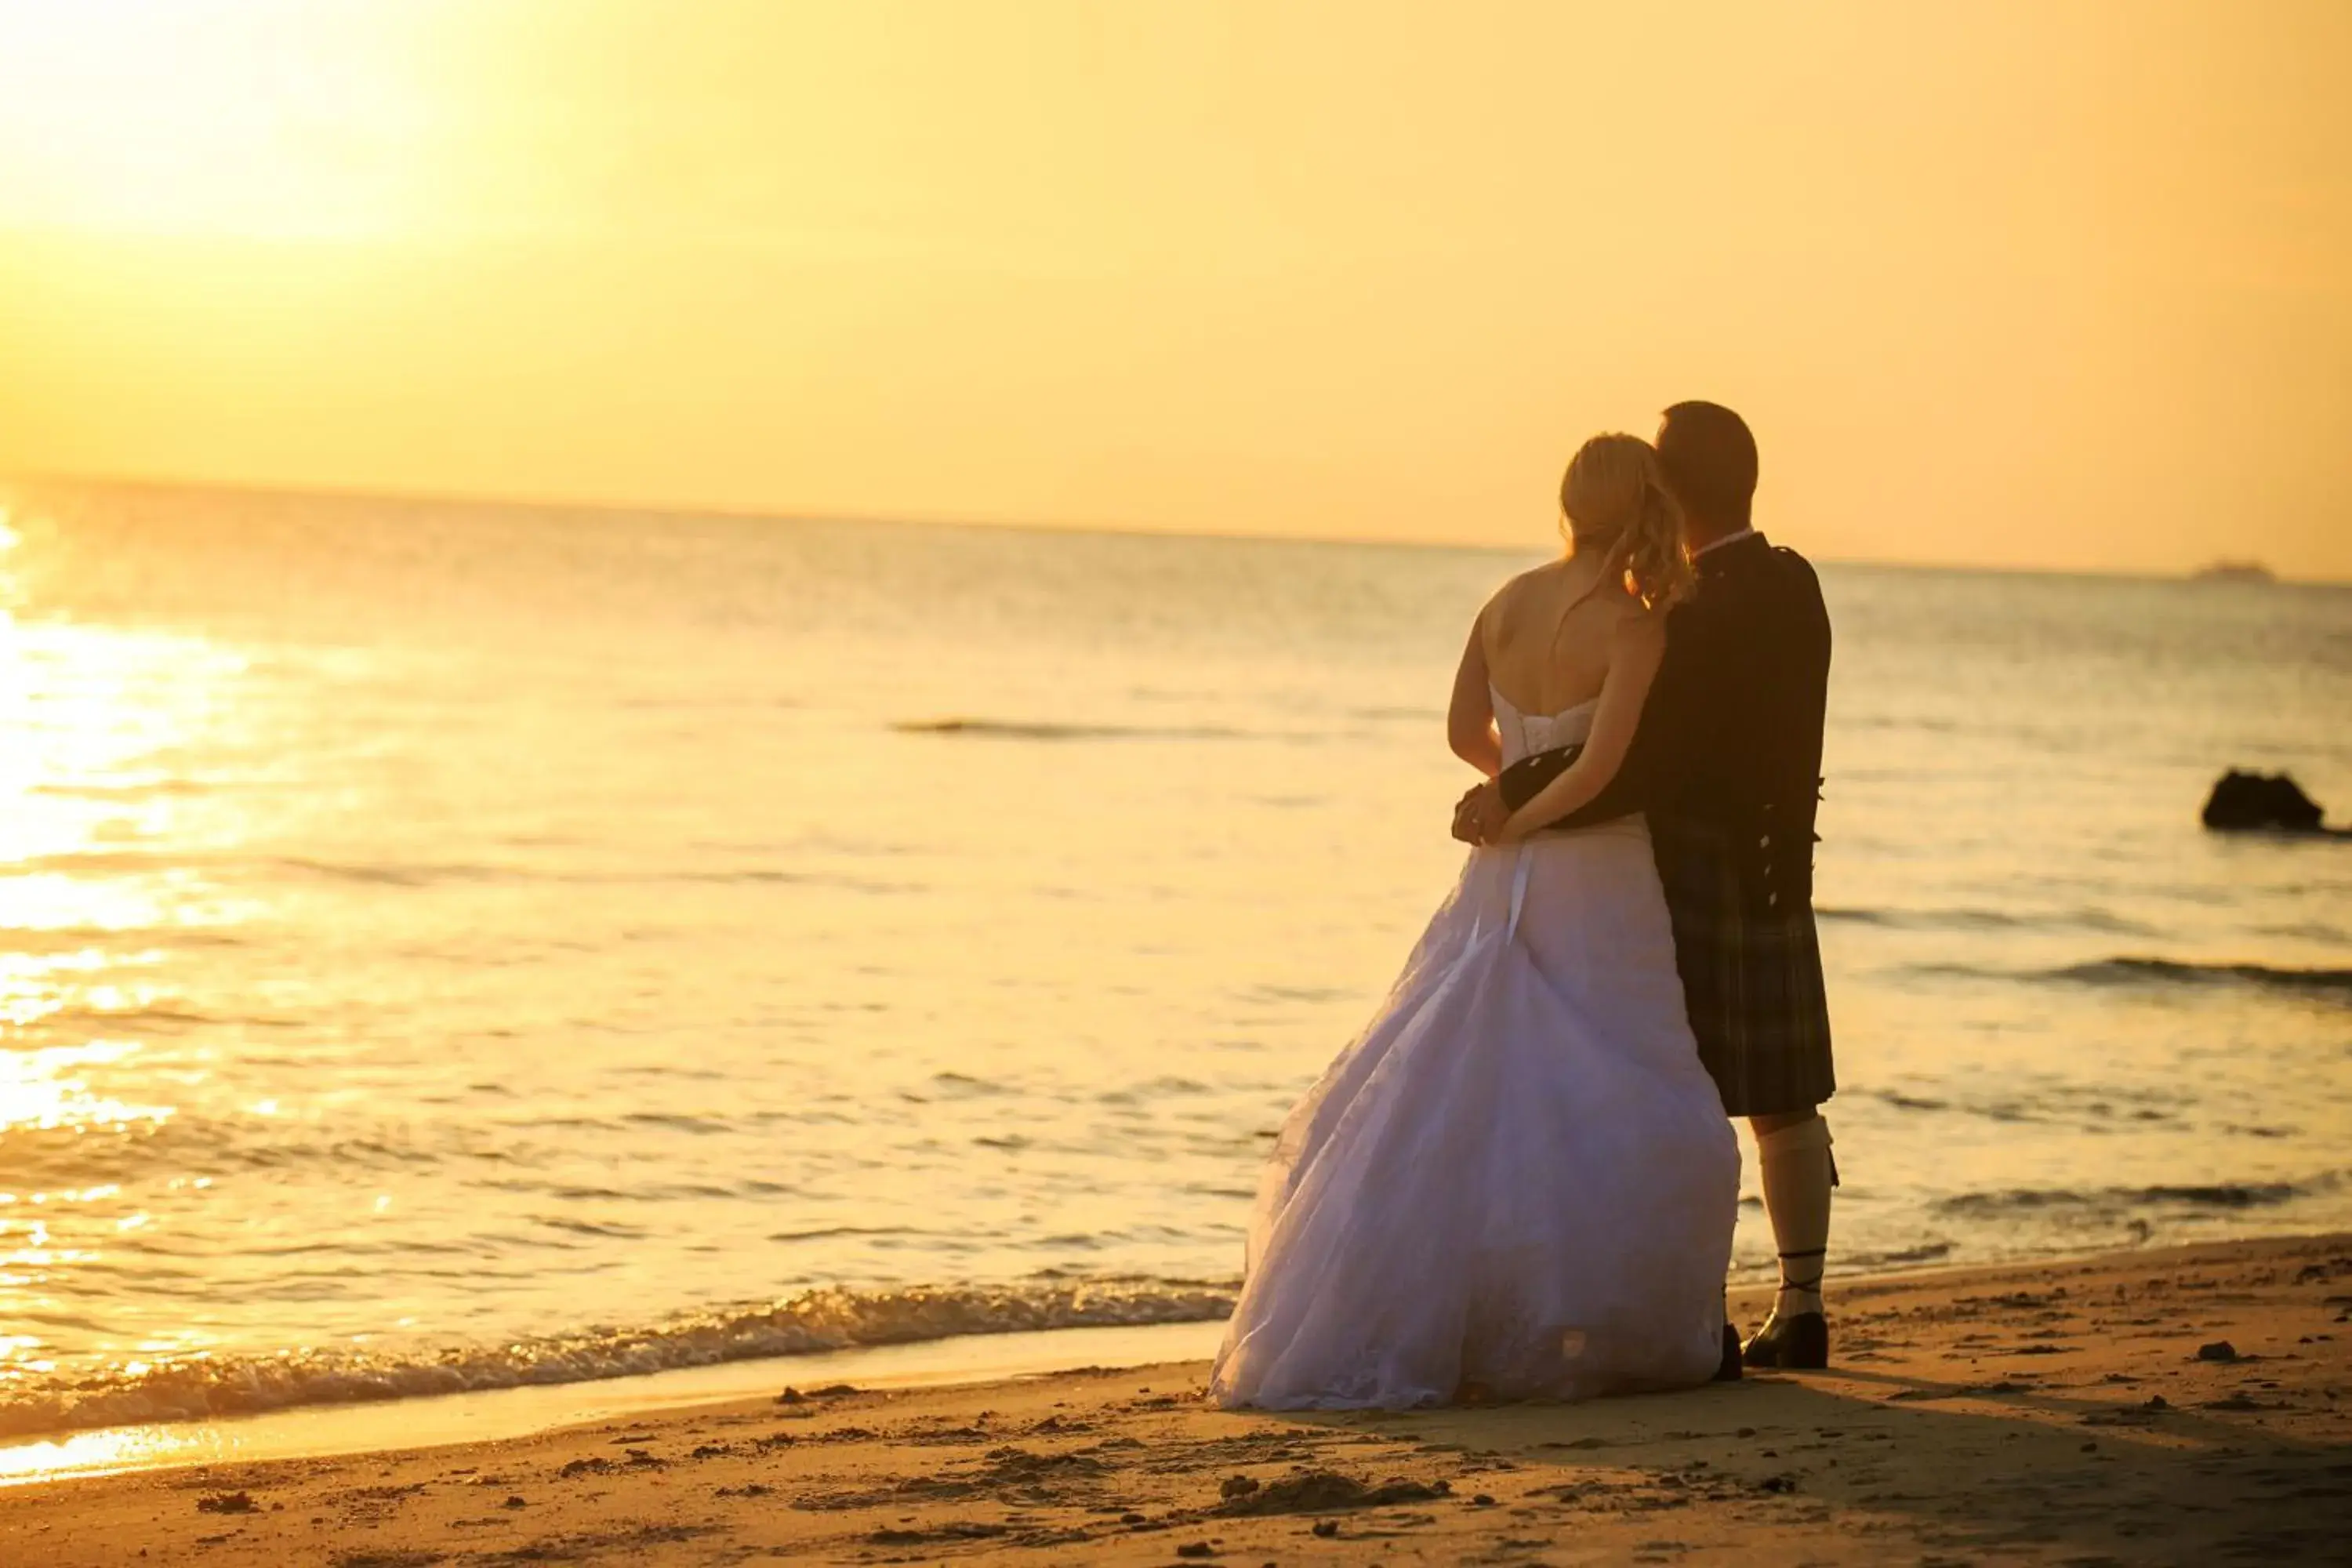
column 1026, row 730
column 2144, row 971
column 2229, row 1195
column 429, row 875
column 387, row 874
column 128, row 791
column 2306, row 930
column 141, row 862
column 1902, row 1102
column 383, row 874
column 201, row 1388
column 416, row 875
column 2092, row 1106
column 1967, row 919
column 151, row 1018
column 2132, row 971
column 78, row 862
column 42, row 940
column 137, row 1144
column 1899, row 1258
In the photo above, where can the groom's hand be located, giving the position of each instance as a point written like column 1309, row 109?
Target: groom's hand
column 1480, row 813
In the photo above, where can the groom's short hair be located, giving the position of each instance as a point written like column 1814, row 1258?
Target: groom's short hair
column 1709, row 457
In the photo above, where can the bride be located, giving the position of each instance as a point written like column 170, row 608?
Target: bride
column 1519, row 1183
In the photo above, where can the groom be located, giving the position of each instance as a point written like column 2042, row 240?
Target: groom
column 1726, row 764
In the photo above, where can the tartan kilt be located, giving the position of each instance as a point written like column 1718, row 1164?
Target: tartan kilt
column 1751, row 969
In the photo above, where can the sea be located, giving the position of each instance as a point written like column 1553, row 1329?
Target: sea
column 453, row 946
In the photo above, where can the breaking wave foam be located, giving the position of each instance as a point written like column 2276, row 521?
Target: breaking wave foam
column 203, row 1387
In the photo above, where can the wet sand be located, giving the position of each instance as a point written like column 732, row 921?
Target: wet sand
column 2190, row 1405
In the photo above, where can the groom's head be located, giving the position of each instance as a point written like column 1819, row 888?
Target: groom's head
column 1710, row 459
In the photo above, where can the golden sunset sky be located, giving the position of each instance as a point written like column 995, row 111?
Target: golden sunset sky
column 2062, row 284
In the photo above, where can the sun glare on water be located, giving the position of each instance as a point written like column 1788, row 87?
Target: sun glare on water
column 85, row 712
column 101, row 728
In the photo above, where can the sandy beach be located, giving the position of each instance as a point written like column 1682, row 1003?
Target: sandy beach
column 2187, row 1406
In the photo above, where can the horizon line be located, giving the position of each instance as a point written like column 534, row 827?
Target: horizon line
column 1028, row 525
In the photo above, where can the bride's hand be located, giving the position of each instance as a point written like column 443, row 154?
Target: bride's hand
column 1479, row 813
column 1514, row 830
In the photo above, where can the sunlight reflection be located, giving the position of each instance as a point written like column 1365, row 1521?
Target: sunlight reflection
column 33, row 987
column 86, row 711
column 97, row 728
column 102, row 732
column 40, row 1090
column 93, row 1452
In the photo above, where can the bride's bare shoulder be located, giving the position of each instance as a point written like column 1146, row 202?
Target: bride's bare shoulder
column 1527, row 586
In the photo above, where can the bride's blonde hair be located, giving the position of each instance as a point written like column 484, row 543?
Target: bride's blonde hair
column 1614, row 499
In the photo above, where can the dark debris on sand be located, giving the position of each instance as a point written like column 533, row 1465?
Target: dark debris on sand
column 1322, row 1491
column 832, row 1391
column 889, row 1535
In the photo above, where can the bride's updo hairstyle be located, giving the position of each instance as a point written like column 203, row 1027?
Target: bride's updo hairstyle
column 1615, row 498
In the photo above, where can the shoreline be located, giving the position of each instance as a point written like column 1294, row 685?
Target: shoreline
column 400, row 1423
column 2053, row 1411
column 503, row 1415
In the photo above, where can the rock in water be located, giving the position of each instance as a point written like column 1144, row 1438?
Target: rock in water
column 2242, row 800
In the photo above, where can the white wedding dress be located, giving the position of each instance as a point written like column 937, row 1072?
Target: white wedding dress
column 1518, row 1179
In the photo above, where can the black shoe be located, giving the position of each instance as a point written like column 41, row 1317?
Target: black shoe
column 1799, row 1342
column 1727, row 1370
